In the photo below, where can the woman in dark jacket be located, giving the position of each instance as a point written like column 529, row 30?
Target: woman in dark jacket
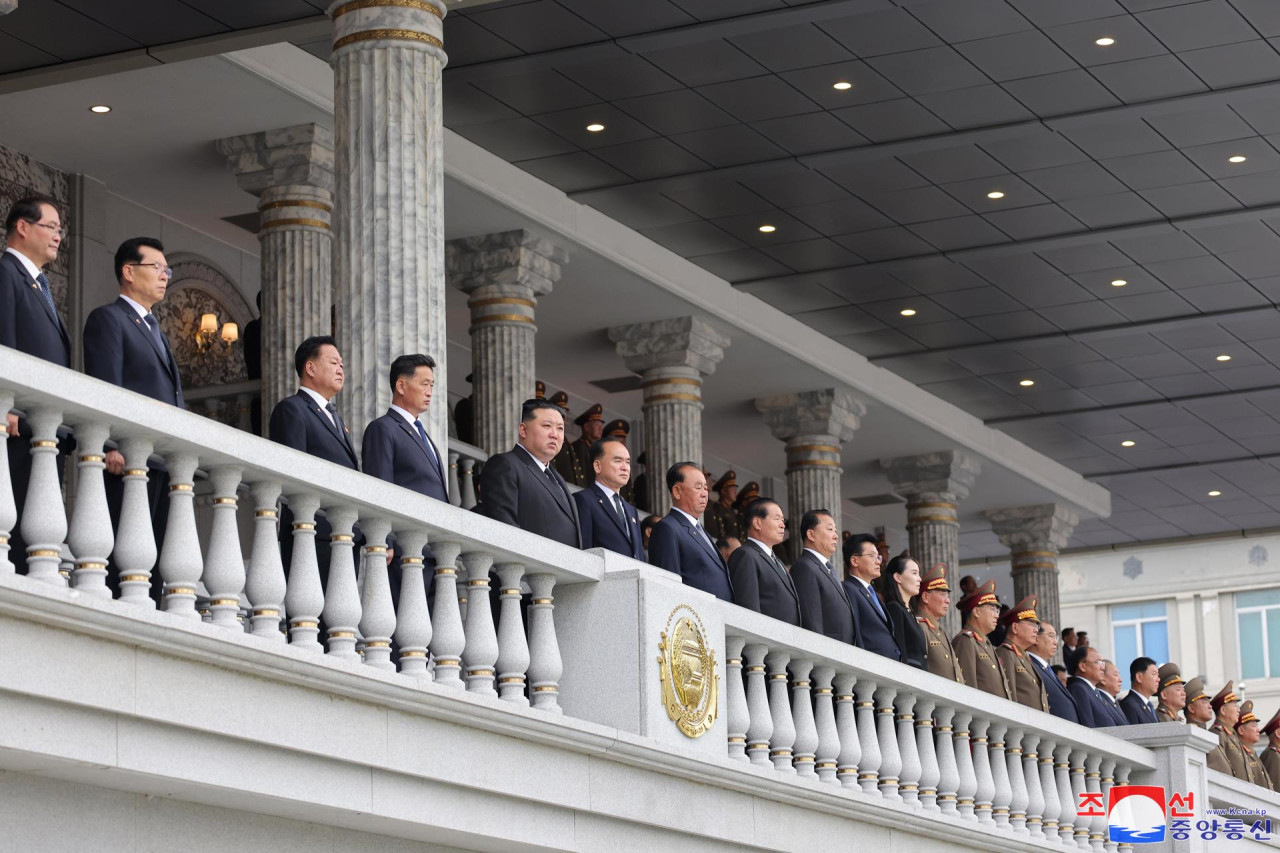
column 899, row 584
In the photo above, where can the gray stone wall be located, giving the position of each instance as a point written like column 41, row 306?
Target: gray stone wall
column 21, row 175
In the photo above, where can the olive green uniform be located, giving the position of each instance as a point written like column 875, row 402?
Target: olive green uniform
column 573, row 462
column 940, row 656
column 1164, row 715
column 722, row 521
column 1024, row 684
column 1271, row 763
column 1232, row 753
column 978, row 664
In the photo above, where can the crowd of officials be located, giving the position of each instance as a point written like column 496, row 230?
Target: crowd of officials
column 888, row 607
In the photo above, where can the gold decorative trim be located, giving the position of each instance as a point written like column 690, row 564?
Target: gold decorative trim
column 135, row 472
column 811, row 463
column 91, row 566
column 341, row 537
column 462, row 600
column 224, row 602
column 266, row 611
column 377, row 644
column 755, row 669
column 688, row 398
column 674, row 380
column 180, row 487
column 510, row 592
column 542, row 600
column 944, row 729
column 737, row 740
column 43, row 442
column 902, row 717
column 356, row 5
column 479, row 672
column 779, row 753
column 303, row 525
column 867, row 704
column 888, row 711
column 916, row 519
column 92, row 457
column 264, row 513
column 824, row 765
column 448, row 661
column 862, row 776
column 375, row 549
column 45, row 552
column 135, row 578
column 933, row 505
column 480, row 582
column 502, row 300
column 778, row 676
column 946, row 798
column 733, row 662
column 4, row 539
column 225, row 501
column 501, row 318
column 412, row 654
column 822, row 691
column 515, row 679
column 276, row 205
column 814, row 448
column 341, row 635
column 687, row 672
column 411, row 561
column 908, row 787
column 547, row 688
column 305, row 623
column 282, row 223
column 180, row 590
column 801, row 684
column 445, row 570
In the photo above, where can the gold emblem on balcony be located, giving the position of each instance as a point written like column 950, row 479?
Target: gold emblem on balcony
column 687, row 670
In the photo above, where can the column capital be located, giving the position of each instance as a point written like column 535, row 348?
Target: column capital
column 830, row 411
column 945, row 472
column 1037, row 527
column 516, row 258
column 678, row 342
column 301, row 155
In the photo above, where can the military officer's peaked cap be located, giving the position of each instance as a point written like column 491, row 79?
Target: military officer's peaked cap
column 1023, row 611
column 595, row 413
column 1223, row 697
column 935, row 580
column 617, row 428
column 730, row 478
column 1171, row 675
column 985, row 594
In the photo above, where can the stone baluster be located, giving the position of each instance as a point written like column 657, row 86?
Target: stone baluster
column 513, row 646
column 1097, row 825
column 671, row 357
column 1031, row 779
column 1079, row 785
column 244, row 412
column 887, row 737
column 847, row 727
column 909, row 775
column 739, row 718
column 761, row 727
column 342, row 594
column 90, row 536
column 1122, row 778
column 135, row 549
column 999, row 774
column 304, row 597
column 985, row 790
column 378, row 615
column 545, row 665
column 481, row 653
column 950, row 726
column 1106, row 769
column 413, row 618
column 1066, row 795
column 806, row 740
column 1017, row 782
column 67, row 564
column 467, row 487
column 180, row 563
column 448, row 639
column 8, row 506
column 44, row 516
column 824, row 712
column 1049, row 791
column 455, row 494
column 1034, row 535
column 224, row 568
column 784, row 729
column 463, row 592
column 930, row 773
column 265, row 586
column 868, row 738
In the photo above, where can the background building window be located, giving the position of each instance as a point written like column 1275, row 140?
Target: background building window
column 1138, row 630
column 1258, row 621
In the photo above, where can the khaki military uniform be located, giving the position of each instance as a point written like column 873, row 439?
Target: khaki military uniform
column 1271, row 763
column 573, row 462
column 940, row 657
column 1253, row 764
column 1164, row 715
column 1232, row 753
column 979, row 665
column 722, row 522
column 1025, row 686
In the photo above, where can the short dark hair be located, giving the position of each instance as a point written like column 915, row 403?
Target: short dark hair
column 407, row 365
column 309, row 349
column 596, row 450
column 853, row 545
column 1067, row 631
column 1057, row 667
column 529, row 409
column 722, row 543
column 649, row 523
column 758, row 508
column 810, row 520
column 675, row 474
column 27, row 210
column 1138, row 665
column 130, row 252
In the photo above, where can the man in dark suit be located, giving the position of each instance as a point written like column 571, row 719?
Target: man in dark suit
column 1084, row 688
column 862, row 563
column 680, row 544
column 521, row 488
column 1144, row 680
column 29, row 322
column 1060, row 702
column 824, row 605
column 760, row 581
column 608, row 521
column 396, row 447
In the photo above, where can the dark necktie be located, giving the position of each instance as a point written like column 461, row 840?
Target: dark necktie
column 830, row 572
column 622, row 514
column 155, row 330
column 333, row 413
column 422, row 434
column 555, row 481
column 43, row 281
column 705, row 538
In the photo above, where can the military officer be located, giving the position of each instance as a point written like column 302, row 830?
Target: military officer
column 1226, row 708
column 1198, row 711
column 540, row 390
column 561, row 399
column 972, row 648
column 1171, row 696
column 932, row 604
column 573, row 462
column 721, row 521
column 746, row 495
column 1271, row 755
column 1022, row 626
column 1249, row 734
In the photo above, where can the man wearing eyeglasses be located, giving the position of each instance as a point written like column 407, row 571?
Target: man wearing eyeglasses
column 29, row 322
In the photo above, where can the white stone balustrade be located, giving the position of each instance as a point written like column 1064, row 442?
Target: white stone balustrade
column 463, row 461
column 90, row 536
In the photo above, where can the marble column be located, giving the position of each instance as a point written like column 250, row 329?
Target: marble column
column 290, row 170
column 933, row 483
column 1034, row 535
column 388, row 260
column 671, row 357
column 503, row 275
column 814, row 424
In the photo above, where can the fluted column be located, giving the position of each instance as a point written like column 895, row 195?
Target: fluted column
column 503, row 275
column 90, row 535
column 290, row 170
column 933, row 483
column 671, row 357
column 814, row 424
column 1034, row 535
column 388, row 196
column 739, row 716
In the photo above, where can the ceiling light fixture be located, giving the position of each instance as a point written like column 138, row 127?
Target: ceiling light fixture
column 1239, row 158
column 908, row 312
column 995, row 194
column 842, row 86
column 100, row 109
column 767, row 229
column 1118, row 282
column 1215, row 493
column 1105, row 41
column 1224, row 357
column 1027, row 383
column 1128, row 443
column 595, row 128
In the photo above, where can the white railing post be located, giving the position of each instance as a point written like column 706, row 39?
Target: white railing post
column 985, row 790
column 545, row 664
column 926, row 754
column 1049, row 790
column 481, row 653
column 265, row 585
column 413, row 620
column 806, row 742
column 467, row 486
column 887, row 736
column 8, row 506
column 1017, row 784
column 1079, row 786
column 44, row 516
column 739, row 715
column 377, row 612
column 513, row 643
column 180, row 563
column 1107, row 769
column 847, row 727
column 999, row 773
column 135, row 549
column 455, row 497
column 90, row 536
column 909, row 775
column 1031, row 778
column 868, row 739
column 224, row 567
column 824, row 714
column 1066, row 795
column 304, row 597
column 949, row 783
column 1097, row 826
column 761, row 727
column 342, row 595
column 447, row 639
column 784, row 729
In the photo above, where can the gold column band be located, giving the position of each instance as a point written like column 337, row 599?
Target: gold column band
column 411, row 561
column 737, row 740
column 356, row 5
column 793, row 464
column 674, row 380
column 801, row 684
column 43, row 442
column 225, row 501
column 303, row 525
column 341, row 635
column 845, row 697
column 688, row 398
column 515, row 679
column 546, row 688
column 92, row 457
column 502, row 300
column 412, row 654
column 266, row 611
column 510, row 592
column 480, row 582
column 305, row 623
column 377, row 644
column 778, row 676
column 542, row 601
column 825, row 765
column 90, row 566
column 265, row 513
column 341, row 537
column 135, row 578
column 755, row 669
column 45, row 552
column 822, row 691
column 225, row 602
column 283, row 223
column 135, row 472
column 180, row 590
column 814, row 448
column 480, row 672
column 448, row 661
column 276, row 205
column 779, row 753
column 500, row 318
column 375, row 549
column 181, row 487
column 446, row 571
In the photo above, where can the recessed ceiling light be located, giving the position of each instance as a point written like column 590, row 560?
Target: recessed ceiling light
column 1128, row 443
column 1118, row 282
column 1215, row 493
column 995, row 194
column 1027, row 383
column 843, row 85
column 1105, row 41
column 1238, row 158
column 767, row 229
column 908, row 312
column 100, row 108
column 595, row 127
column 1224, row 357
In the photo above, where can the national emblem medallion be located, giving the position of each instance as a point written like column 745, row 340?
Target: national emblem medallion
column 687, row 670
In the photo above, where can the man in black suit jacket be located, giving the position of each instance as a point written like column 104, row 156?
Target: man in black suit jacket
column 1061, row 703
column 680, row 544
column 608, row 521
column 1095, row 710
column 862, row 562
column 760, row 581
column 1144, row 681
column 824, row 605
column 396, row 447
column 520, row 488
column 29, row 323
